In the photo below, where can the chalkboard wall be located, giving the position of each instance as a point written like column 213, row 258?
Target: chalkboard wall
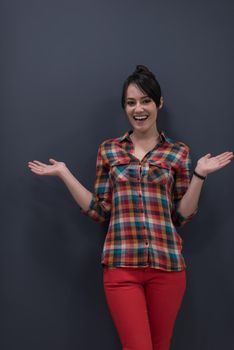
column 62, row 68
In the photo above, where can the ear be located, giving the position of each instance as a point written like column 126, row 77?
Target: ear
column 161, row 102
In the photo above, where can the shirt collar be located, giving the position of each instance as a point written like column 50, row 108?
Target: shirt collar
column 126, row 136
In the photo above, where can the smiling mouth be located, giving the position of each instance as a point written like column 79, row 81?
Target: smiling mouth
column 142, row 117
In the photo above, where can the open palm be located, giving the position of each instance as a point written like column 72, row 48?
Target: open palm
column 40, row 168
column 208, row 164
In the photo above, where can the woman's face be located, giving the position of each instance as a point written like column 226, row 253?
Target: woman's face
column 140, row 109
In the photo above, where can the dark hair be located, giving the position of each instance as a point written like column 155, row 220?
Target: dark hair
column 144, row 79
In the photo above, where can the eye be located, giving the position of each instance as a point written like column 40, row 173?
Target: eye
column 130, row 103
column 147, row 100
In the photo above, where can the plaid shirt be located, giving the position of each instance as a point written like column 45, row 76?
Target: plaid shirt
column 140, row 199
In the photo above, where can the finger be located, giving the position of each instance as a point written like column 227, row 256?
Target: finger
column 39, row 163
column 31, row 163
column 37, row 171
column 223, row 164
column 53, row 161
column 35, row 166
column 228, row 157
column 225, row 155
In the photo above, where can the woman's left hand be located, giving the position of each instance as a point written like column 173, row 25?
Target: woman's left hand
column 208, row 164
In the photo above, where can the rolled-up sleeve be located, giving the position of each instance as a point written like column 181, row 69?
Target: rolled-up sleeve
column 181, row 184
column 100, row 204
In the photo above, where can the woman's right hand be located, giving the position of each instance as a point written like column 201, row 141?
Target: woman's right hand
column 40, row 168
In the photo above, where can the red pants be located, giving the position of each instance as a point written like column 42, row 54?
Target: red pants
column 143, row 303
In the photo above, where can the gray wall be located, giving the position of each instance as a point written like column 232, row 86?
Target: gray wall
column 63, row 64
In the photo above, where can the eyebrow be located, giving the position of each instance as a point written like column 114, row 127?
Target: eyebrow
column 132, row 98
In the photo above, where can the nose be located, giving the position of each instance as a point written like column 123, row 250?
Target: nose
column 138, row 107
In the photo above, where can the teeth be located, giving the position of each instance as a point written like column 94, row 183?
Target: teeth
column 141, row 117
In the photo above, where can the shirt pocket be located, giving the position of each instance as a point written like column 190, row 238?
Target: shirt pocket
column 119, row 170
column 159, row 172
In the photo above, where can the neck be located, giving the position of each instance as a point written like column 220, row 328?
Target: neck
column 146, row 136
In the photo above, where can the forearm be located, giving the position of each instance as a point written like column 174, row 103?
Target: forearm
column 189, row 203
column 81, row 195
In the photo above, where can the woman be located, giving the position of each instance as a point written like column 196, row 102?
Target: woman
column 143, row 187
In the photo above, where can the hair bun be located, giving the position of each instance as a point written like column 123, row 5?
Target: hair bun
column 140, row 68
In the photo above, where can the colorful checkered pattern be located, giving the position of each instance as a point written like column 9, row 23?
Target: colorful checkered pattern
column 140, row 199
